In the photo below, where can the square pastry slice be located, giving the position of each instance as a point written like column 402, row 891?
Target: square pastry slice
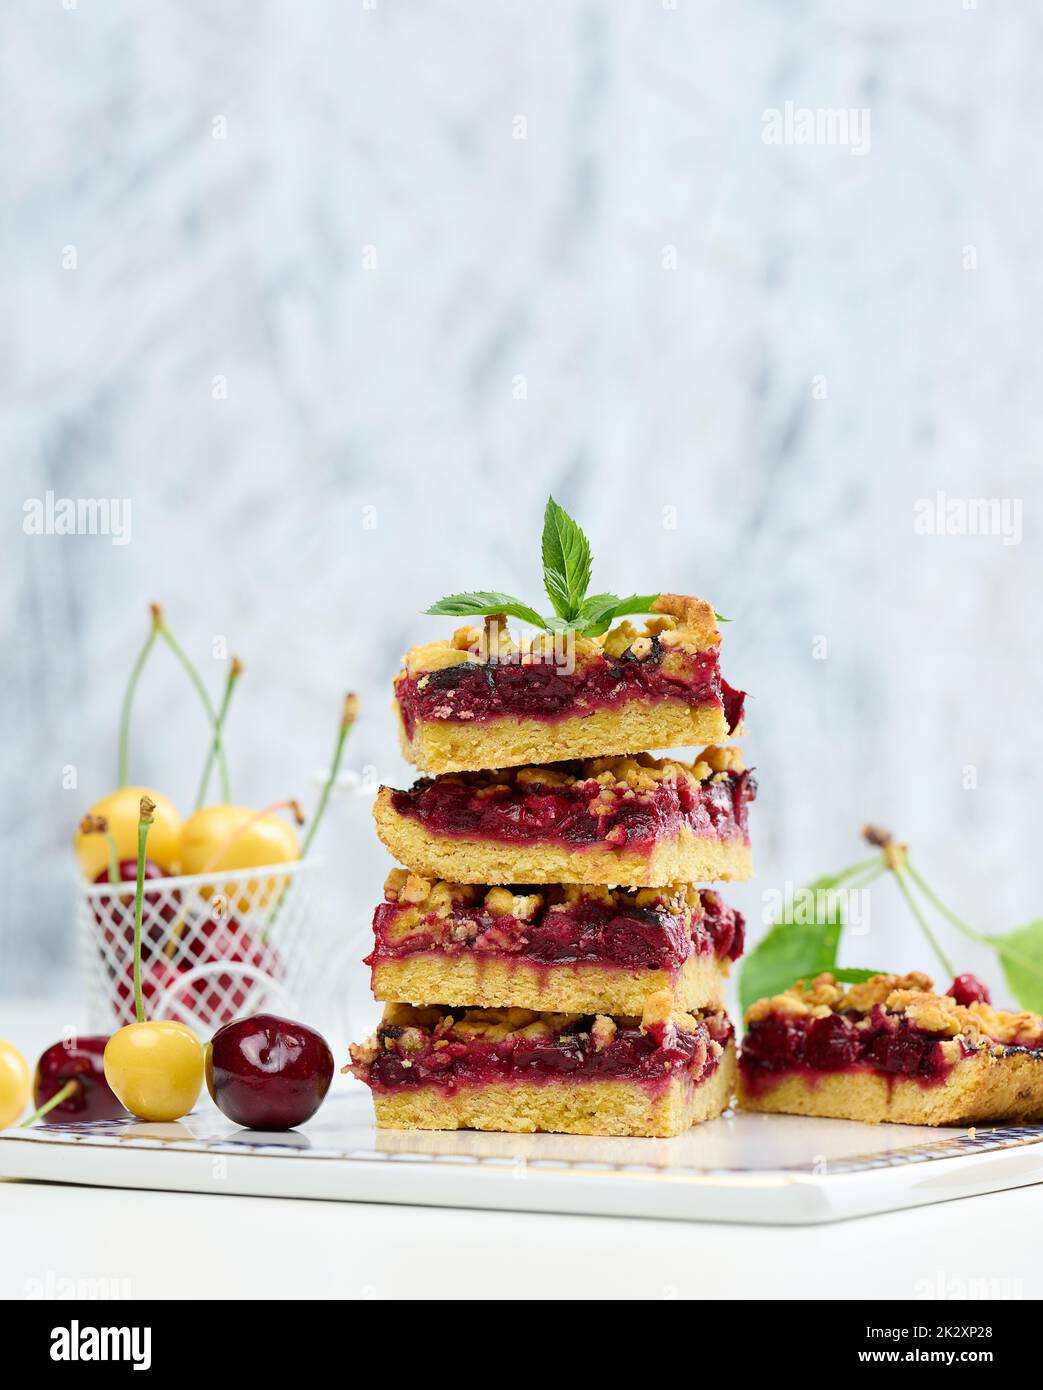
column 519, row 1071
column 890, row 1049
column 638, row 821
column 568, row 948
column 483, row 699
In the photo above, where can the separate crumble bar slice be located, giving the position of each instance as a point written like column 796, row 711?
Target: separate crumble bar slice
column 636, row 821
column 486, row 700
column 520, row 1071
column 563, row 948
column 890, row 1049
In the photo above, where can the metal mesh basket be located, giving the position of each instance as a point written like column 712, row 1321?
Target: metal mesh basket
column 214, row 946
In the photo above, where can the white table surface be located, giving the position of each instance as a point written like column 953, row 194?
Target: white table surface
column 59, row 1239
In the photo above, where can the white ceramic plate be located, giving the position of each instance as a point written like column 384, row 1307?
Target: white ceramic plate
column 758, row 1168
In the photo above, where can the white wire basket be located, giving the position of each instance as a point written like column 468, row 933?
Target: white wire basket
column 214, row 946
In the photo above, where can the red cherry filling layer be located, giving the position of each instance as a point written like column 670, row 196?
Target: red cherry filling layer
column 548, row 690
column 579, row 813
column 879, row 1042
column 426, row 1053
column 590, row 930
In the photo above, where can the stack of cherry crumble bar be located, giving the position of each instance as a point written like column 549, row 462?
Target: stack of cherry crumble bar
column 545, row 958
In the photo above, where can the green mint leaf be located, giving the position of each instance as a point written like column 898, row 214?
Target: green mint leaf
column 636, row 603
column 481, row 603
column 600, row 611
column 720, row 617
column 794, row 950
column 1021, row 956
column 566, row 561
column 596, row 614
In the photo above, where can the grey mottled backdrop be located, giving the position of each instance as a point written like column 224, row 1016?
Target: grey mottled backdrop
column 268, row 265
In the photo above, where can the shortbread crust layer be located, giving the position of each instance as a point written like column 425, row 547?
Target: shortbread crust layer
column 632, row 727
column 486, row 982
column 566, row 1107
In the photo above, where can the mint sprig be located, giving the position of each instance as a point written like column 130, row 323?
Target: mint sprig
column 565, row 552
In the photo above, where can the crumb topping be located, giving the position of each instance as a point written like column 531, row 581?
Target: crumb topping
column 632, row 776
column 436, row 897
column 681, row 625
column 913, row 997
column 403, row 1025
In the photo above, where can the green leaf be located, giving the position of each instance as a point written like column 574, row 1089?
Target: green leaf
column 852, row 975
column 792, row 950
column 600, row 611
column 1021, row 955
column 481, row 603
column 596, row 614
column 566, row 561
column 720, row 617
column 636, row 603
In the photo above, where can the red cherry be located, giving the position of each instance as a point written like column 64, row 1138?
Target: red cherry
column 77, row 1060
column 269, row 1073
column 968, row 989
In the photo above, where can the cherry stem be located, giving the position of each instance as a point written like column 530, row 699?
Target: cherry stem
column 349, row 713
column 208, row 704
column 128, row 697
column 114, row 858
column 997, row 943
column 98, row 825
column 144, row 825
column 235, row 670
column 853, row 870
column 902, row 879
column 947, row 912
column 872, row 872
column 896, row 860
column 69, row 1089
column 347, row 719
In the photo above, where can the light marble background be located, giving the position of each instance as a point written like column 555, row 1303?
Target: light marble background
column 357, row 135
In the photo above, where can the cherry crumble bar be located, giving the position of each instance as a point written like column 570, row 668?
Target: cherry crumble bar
column 521, row 1071
column 489, row 701
column 564, row 948
column 640, row 821
column 891, row 1049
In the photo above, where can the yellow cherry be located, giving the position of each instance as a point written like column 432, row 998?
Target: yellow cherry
column 15, row 1084
column 236, row 837
column 120, row 810
column 155, row 1069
